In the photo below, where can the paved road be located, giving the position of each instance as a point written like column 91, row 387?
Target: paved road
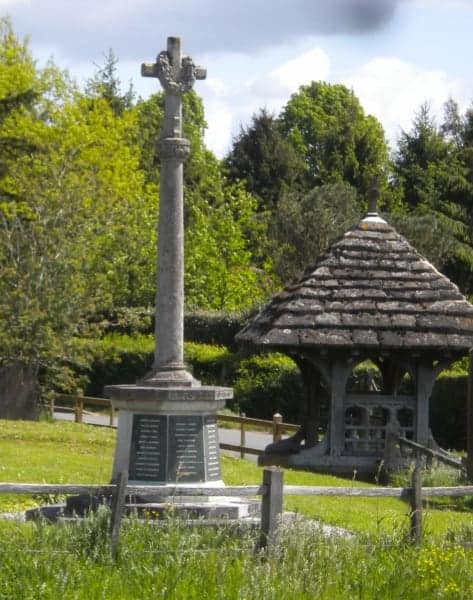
column 254, row 439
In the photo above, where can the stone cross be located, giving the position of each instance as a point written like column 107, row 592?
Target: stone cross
column 167, row 427
column 177, row 75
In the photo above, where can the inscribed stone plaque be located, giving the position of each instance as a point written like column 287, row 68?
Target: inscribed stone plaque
column 148, row 448
column 211, row 448
column 186, row 449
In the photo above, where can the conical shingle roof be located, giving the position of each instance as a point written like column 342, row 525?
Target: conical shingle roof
column 370, row 290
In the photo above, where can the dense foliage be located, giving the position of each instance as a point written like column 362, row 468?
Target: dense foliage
column 79, row 187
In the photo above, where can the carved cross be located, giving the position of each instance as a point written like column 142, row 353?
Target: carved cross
column 177, row 75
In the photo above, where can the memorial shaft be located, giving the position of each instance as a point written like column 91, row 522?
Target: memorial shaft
column 167, row 428
column 177, row 75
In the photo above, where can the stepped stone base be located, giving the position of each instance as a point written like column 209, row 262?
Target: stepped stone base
column 77, row 507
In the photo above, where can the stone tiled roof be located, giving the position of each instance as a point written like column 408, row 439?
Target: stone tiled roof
column 371, row 290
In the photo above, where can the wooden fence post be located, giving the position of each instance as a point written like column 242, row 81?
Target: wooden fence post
column 271, row 505
column 242, row 436
column 469, row 440
column 118, row 505
column 416, row 504
column 78, row 409
column 277, row 429
column 112, row 412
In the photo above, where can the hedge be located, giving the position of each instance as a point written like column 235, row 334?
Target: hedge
column 263, row 383
column 204, row 327
column 448, row 411
column 214, row 327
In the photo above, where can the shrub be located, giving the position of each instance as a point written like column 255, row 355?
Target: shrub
column 448, row 410
column 212, row 365
column 124, row 359
column 119, row 359
column 268, row 383
column 214, row 327
column 263, row 383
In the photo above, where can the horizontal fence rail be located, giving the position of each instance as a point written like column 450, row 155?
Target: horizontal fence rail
column 276, row 426
column 236, row 490
column 272, row 491
column 71, row 488
column 420, row 450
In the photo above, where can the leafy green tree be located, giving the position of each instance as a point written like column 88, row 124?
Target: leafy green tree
column 202, row 169
column 266, row 160
column 220, row 267
column 77, row 225
column 224, row 239
column 337, row 141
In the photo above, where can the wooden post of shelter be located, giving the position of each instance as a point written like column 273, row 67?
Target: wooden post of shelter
column 469, row 442
column 271, row 505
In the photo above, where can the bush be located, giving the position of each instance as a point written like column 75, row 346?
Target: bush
column 212, row 365
column 214, row 327
column 125, row 320
column 125, row 359
column 119, row 359
column 268, row 383
column 448, row 411
column 263, row 383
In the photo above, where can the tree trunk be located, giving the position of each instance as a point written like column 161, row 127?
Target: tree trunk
column 19, row 391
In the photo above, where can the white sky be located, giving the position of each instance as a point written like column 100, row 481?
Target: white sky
column 396, row 54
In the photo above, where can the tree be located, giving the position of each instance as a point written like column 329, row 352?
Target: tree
column 106, row 84
column 266, row 160
column 226, row 266
column 337, row 141
column 220, row 269
column 76, row 228
column 431, row 168
column 306, row 224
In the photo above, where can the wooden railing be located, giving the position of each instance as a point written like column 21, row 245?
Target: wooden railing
column 78, row 404
column 276, row 427
column 420, row 450
column 271, row 491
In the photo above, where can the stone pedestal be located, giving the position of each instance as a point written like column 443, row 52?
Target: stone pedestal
column 168, row 435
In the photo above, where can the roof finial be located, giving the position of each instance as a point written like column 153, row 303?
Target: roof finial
column 373, row 196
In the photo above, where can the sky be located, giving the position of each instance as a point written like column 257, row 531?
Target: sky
column 394, row 54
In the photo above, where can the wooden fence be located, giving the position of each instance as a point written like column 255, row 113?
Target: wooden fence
column 77, row 404
column 272, row 491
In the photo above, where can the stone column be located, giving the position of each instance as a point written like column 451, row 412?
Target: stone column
column 167, row 430
column 177, row 75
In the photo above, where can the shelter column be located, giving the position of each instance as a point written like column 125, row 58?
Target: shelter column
column 425, row 378
column 340, row 373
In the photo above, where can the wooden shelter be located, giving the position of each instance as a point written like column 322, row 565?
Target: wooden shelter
column 370, row 297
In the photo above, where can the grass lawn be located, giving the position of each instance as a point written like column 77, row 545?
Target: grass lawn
column 63, row 452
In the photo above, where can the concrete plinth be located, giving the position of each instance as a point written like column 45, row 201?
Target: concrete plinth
column 168, row 435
